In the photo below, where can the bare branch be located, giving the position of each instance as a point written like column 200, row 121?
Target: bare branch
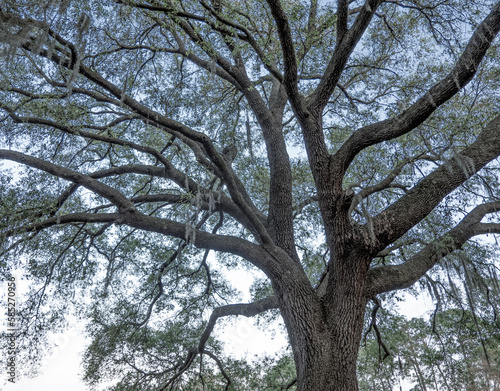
column 221, row 368
column 248, row 310
column 164, row 265
column 387, row 182
column 65, row 219
column 373, row 325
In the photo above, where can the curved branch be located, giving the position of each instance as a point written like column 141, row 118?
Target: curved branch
column 164, row 265
column 225, row 204
column 259, row 256
column 248, row 310
column 387, row 182
column 247, row 37
column 194, row 146
column 297, row 209
column 386, row 278
column 219, row 364
column 280, row 216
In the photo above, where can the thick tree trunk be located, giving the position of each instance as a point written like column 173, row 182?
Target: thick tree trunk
column 325, row 338
column 328, row 361
column 333, row 372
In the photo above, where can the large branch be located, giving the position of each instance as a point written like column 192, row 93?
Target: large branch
column 310, row 115
column 417, row 113
column 387, row 278
column 253, row 253
column 261, row 257
column 278, row 157
column 233, row 184
column 223, row 204
column 280, row 217
column 280, row 205
column 238, row 194
column 342, row 14
column 219, row 199
column 410, row 209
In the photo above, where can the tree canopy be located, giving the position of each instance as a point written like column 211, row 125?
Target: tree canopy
column 346, row 151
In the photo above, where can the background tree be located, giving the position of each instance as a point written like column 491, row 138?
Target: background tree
column 456, row 350
column 345, row 149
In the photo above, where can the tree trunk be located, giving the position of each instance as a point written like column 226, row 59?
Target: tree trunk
column 325, row 339
column 328, row 361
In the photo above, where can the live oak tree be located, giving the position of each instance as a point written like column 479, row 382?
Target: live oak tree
column 345, row 149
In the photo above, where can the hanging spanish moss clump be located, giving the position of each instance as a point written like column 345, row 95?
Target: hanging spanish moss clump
column 464, row 162
column 190, row 236
column 192, row 212
column 83, row 26
column 211, row 202
column 14, row 33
